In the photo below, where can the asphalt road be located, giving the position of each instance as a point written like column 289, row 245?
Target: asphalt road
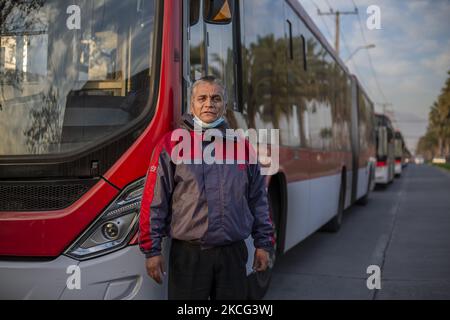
column 404, row 229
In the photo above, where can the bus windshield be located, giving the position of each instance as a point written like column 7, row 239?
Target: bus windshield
column 72, row 72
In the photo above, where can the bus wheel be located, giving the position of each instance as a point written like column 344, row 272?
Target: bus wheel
column 258, row 282
column 335, row 223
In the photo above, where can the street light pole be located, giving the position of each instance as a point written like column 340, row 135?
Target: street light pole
column 369, row 46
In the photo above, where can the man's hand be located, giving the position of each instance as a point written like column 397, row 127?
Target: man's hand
column 261, row 260
column 155, row 268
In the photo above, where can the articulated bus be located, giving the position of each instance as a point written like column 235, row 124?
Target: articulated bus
column 89, row 87
column 385, row 140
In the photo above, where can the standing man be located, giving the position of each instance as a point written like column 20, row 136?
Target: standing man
column 207, row 209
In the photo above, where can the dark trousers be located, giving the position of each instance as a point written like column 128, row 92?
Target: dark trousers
column 218, row 273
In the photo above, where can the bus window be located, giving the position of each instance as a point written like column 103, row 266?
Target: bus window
column 264, row 63
column 197, row 59
column 319, row 107
column 64, row 86
column 294, row 134
column 194, row 12
column 220, row 55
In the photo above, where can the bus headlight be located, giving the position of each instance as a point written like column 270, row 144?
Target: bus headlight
column 113, row 228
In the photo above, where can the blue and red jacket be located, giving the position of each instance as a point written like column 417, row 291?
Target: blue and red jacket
column 210, row 204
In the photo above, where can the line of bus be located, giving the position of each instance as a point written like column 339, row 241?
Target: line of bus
column 89, row 87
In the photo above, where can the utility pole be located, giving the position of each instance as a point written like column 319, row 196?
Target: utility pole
column 338, row 22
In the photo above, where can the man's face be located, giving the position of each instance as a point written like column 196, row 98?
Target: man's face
column 207, row 102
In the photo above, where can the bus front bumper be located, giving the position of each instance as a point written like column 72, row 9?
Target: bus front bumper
column 118, row 275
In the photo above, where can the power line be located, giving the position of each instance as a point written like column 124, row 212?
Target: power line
column 385, row 104
column 323, row 20
column 361, row 28
column 356, row 68
column 357, row 71
column 329, row 5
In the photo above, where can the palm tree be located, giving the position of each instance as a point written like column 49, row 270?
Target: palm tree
column 437, row 139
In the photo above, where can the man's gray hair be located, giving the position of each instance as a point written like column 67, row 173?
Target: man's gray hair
column 210, row 80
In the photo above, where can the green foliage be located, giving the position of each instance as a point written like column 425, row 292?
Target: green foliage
column 445, row 166
column 436, row 141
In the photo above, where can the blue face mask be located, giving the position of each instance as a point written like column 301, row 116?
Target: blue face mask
column 211, row 125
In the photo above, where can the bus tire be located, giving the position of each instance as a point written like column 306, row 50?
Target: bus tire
column 335, row 223
column 258, row 284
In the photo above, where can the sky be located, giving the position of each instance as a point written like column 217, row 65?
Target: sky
column 410, row 59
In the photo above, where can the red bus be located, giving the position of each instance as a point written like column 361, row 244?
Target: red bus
column 89, row 87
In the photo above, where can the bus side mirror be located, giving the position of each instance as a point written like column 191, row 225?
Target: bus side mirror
column 218, row 11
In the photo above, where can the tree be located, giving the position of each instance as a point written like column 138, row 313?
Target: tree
column 436, row 141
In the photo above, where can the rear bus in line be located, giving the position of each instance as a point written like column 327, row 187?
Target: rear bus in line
column 385, row 169
column 82, row 108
